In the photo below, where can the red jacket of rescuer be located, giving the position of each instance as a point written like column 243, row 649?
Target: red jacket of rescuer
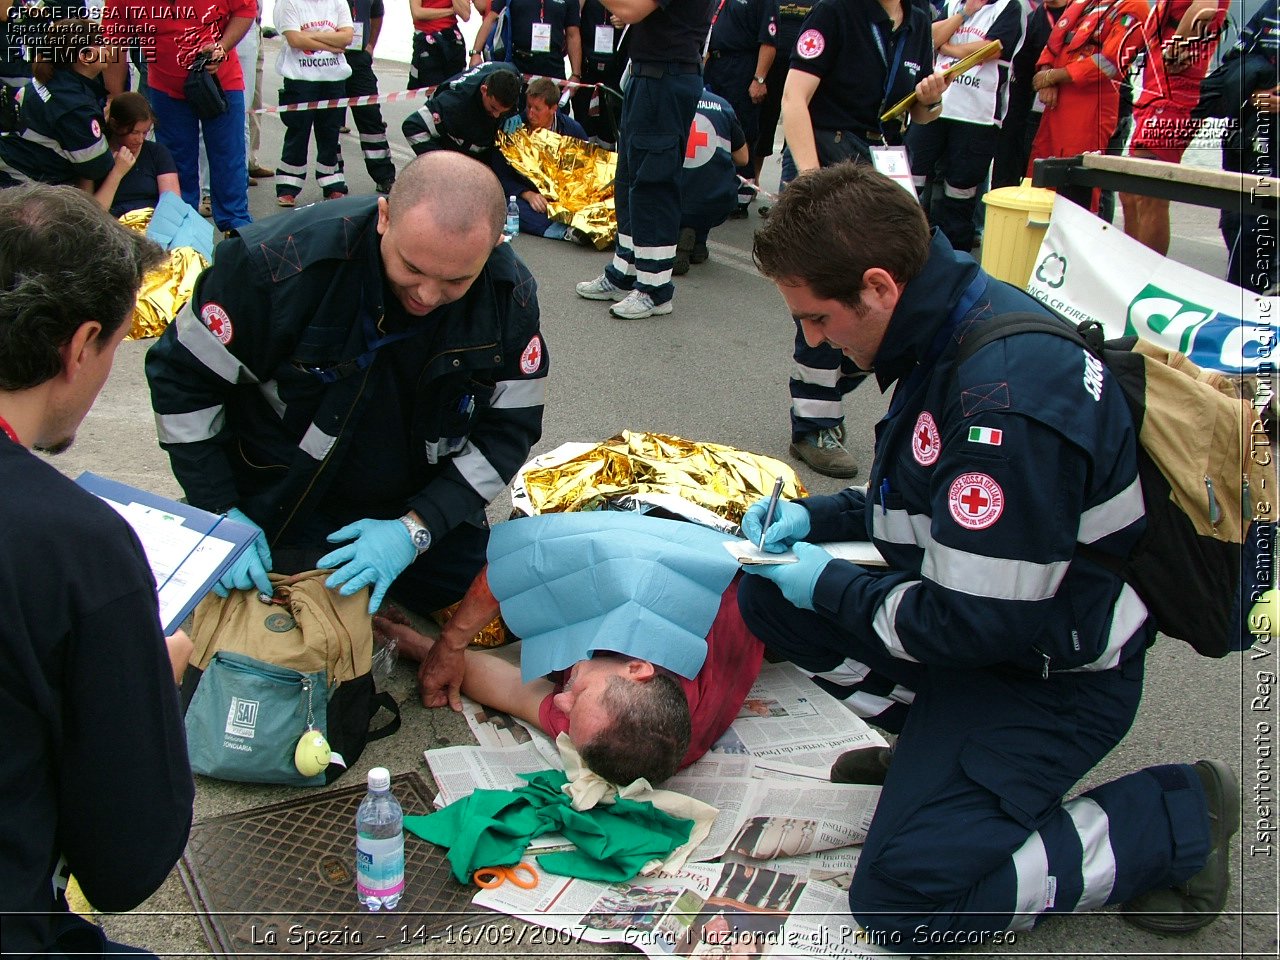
column 171, row 32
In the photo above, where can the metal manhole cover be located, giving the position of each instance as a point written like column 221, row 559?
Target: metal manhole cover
column 281, row 879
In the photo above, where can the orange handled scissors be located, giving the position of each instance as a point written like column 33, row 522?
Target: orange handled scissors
column 521, row 874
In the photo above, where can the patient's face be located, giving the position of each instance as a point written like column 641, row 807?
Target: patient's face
column 582, row 699
column 539, row 114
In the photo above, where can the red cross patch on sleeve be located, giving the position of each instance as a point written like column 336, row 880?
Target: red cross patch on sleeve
column 975, row 501
column 216, row 319
column 926, row 444
column 531, row 359
column 811, row 44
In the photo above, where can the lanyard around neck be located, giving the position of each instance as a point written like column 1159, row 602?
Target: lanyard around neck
column 11, row 433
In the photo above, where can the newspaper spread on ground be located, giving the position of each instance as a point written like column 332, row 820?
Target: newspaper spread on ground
column 703, row 910
column 789, row 725
column 770, row 879
column 782, row 821
column 493, row 728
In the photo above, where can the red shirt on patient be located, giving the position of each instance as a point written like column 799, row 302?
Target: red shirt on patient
column 734, row 656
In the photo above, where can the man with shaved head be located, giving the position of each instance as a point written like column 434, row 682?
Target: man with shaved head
column 357, row 380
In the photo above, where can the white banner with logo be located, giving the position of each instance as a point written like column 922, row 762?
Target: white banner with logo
column 1089, row 270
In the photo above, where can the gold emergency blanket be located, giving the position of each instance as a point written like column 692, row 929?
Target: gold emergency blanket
column 722, row 479
column 166, row 289
column 576, row 177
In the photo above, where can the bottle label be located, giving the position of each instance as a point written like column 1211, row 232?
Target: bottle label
column 380, row 866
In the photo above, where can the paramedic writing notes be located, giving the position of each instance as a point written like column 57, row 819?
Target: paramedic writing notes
column 771, row 510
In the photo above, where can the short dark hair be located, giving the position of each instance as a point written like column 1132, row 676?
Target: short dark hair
column 544, row 89
column 127, row 111
column 459, row 192
column 63, row 261
column 503, row 86
column 649, row 735
column 832, row 225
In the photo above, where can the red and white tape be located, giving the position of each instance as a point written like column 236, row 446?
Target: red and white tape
column 343, row 102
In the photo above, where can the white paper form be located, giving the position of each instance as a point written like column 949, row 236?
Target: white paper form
column 181, row 559
column 187, row 548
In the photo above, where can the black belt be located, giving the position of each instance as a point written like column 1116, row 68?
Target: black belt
column 873, row 137
column 657, row 68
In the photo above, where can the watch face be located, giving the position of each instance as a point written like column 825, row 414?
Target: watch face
column 421, row 539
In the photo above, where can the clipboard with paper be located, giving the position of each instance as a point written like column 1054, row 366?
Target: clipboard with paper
column 987, row 52
column 188, row 549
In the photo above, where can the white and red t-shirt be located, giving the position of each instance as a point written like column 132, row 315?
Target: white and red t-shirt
column 318, row 16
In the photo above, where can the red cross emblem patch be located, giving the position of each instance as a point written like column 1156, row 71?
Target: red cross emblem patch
column 810, row 44
column 975, row 500
column 926, row 444
column 702, row 142
column 216, row 319
column 531, row 359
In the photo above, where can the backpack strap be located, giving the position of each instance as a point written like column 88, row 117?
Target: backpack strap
column 1087, row 334
column 384, row 701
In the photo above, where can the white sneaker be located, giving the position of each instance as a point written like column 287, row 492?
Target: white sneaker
column 601, row 288
column 639, row 305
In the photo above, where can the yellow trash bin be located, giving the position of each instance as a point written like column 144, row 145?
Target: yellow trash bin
column 1016, row 220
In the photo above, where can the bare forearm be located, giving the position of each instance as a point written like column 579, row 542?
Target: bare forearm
column 764, row 59
column 307, row 40
column 237, row 27
column 474, row 613
column 496, row 683
column 573, row 46
column 961, row 50
column 630, row 11
column 797, row 126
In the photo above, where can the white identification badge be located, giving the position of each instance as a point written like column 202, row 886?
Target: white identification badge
column 357, row 38
column 893, row 163
column 604, row 38
column 541, row 39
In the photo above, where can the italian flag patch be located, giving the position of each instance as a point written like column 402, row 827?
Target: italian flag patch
column 985, row 435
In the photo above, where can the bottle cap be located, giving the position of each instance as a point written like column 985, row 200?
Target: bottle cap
column 379, row 779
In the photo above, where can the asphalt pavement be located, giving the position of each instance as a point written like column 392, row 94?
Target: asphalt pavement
column 716, row 370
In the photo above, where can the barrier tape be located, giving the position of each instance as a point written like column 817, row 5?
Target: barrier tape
column 377, row 98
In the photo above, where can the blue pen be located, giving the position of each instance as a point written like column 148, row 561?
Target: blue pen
column 884, row 495
column 466, row 404
column 769, row 511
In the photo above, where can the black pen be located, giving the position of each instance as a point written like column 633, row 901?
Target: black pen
column 773, row 506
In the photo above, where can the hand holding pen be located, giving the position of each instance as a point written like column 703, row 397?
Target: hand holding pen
column 775, row 524
column 770, row 510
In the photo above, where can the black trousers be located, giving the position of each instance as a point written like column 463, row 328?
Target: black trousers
column 291, row 174
column 368, row 119
column 730, row 75
column 436, row 57
column 603, row 123
column 965, row 151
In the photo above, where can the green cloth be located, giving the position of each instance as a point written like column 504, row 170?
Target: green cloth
column 493, row 828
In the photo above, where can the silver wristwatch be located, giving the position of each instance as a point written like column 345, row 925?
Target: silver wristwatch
column 419, row 535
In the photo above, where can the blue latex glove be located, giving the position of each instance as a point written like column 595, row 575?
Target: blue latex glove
column 798, row 580
column 379, row 551
column 252, row 566
column 790, row 523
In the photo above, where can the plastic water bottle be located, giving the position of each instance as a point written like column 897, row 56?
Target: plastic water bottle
column 379, row 845
column 513, row 219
